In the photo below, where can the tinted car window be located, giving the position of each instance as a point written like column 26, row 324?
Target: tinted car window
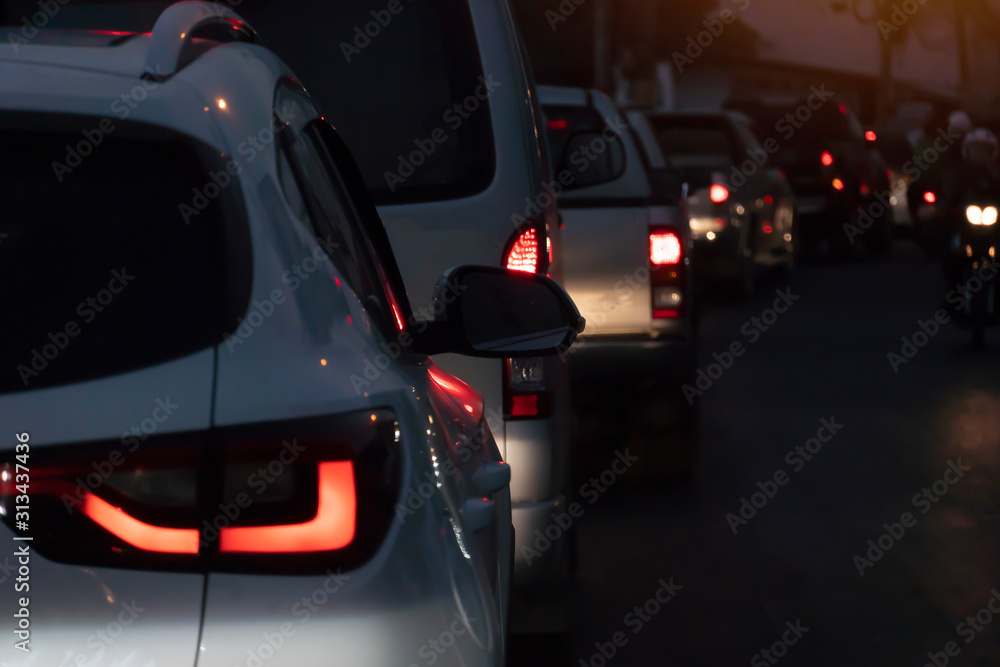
column 118, row 260
column 694, row 142
column 403, row 96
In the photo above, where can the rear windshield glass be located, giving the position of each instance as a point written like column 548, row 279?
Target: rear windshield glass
column 102, row 268
column 692, row 142
column 406, row 90
column 565, row 121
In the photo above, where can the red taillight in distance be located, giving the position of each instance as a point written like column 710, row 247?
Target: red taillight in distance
column 718, row 193
column 666, row 255
column 826, row 158
column 930, row 197
column 295, row 497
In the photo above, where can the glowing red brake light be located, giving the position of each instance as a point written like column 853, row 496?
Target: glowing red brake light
column 870, row 135
column 929, row 197
column 826, row 158
column 288, row 497
column 524, row 254
column 137, row 533
column 560, row 124
column 664, row 248
column 718, row 193
column 332, row 528
column 838, row 184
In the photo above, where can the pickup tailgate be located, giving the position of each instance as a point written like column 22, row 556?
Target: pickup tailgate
column 606, row 253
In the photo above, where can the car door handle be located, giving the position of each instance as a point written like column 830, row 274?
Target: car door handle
column 491, row 477
column 477, row 513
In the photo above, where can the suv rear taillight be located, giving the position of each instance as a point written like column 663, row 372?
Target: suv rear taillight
column 293, row 497
column 527, row 250
column 524, row 394
column 666, row 254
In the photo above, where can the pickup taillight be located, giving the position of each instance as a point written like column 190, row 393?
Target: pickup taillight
column 294, row 497
column 666, row 255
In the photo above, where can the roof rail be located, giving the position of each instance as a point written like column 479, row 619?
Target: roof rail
column 171, row 45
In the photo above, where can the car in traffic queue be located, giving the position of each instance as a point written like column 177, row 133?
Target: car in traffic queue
column 628, row 268
column 834, row 167
column 436, row 102
column 218, row 493
column 742, row 211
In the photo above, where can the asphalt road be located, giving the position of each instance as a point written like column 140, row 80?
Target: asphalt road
column 793, row 561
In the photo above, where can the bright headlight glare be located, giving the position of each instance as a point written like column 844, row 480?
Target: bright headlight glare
column 974, row 214
column 990, row 215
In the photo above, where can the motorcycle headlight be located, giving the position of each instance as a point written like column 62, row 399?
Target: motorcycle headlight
column 990, row 215
column 974, row 214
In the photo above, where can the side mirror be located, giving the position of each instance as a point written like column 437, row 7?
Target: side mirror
column 666, row 184
column 592, row 160
column 492, row 312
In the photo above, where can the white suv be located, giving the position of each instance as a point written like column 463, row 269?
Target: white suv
column 194, row 478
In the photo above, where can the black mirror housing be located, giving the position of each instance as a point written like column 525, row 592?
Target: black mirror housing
column 488, row 311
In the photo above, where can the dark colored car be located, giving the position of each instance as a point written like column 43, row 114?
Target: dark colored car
column 741, row 208
column 841, row 182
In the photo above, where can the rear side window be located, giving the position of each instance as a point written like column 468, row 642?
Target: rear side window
column 406, row 90
column 692, row 142
column 116, row 259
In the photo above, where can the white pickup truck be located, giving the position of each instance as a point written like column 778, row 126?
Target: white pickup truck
column 627, row 266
